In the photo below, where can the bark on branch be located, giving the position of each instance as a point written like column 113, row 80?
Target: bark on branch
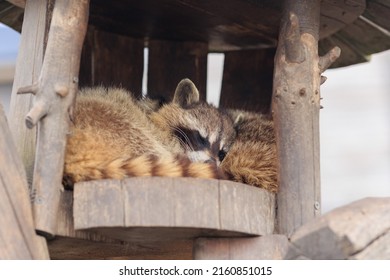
column 295, row 106
column 54, row 97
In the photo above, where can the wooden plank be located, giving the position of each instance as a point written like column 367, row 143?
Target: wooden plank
column 335, row 15
column 269, row 247
column 158, row 209
column 247, row 80
column 84, row 244
column 242, row 207
column 365, row 37
column 28, row 67
column 17, row 235
column 170, row 62
column 378, row 12
column 112, row 60
column 346, row 231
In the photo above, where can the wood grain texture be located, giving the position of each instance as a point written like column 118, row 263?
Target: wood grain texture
column 112, row 60
column 157, row 209
column 269, row 247
column 296, row 105
column 87, row 244
column 247, row 80
column 28, row 67
column 55, row 91
column 17, row 234
column 378, row 12
column 170, row 62
column 358, row 230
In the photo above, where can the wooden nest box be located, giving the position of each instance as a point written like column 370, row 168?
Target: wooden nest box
column 66, row 44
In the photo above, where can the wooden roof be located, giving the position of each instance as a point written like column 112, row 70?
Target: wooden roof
column 359, row 27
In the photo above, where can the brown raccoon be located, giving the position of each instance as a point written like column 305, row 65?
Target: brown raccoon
column 252, row 158
column 115, row 136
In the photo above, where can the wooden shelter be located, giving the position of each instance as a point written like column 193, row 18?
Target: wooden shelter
column 267, row 45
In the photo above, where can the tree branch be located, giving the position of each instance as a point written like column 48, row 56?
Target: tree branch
column 330, row 57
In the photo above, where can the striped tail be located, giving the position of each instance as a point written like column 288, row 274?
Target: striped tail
column 142, row 166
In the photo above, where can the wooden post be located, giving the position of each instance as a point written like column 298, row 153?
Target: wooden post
column 28, row 67
column 55, row 91
column 296, row 104
column 17, row 235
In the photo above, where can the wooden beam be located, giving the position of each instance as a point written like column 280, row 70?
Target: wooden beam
column 170, row 62
column 17, row 234
column 296, row 104
column 269, row 247
column 55, row 91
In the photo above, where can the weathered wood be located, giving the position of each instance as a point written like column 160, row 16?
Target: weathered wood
column 358, row 230
column 365, row 37
column 84, row 244
column 247, row 80
column 112, row 60
column 378, row 12
column 28, row 67
column 295, row 105
column 17, row 234
column 269, row 247
column 157, row 209
column 55, row 92
column 170, row 62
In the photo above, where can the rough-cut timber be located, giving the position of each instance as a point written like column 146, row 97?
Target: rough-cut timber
column 55, row 91
column 296, row 104
column 359, row 230
column 269, row 247
column 156, row 209
column 17, row 235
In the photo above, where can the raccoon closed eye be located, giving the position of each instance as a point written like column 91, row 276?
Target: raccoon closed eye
column 192, row 138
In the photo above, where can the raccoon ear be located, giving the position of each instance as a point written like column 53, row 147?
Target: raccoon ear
column 186, row 93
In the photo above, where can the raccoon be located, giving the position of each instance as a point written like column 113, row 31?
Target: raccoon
column 115, row 136
column 252, row 158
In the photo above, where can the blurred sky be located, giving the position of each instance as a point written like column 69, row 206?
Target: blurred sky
column 354, row 124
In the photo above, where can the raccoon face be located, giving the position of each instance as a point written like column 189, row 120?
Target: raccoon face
column 204, row 132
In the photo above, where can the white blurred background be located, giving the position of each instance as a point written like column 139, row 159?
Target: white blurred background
column 355, row 130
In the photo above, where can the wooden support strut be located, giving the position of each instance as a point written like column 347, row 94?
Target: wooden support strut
column 295, row 106
column 54, row 97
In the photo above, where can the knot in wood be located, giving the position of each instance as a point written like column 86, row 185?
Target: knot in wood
column 61, row 90
column 302, row 92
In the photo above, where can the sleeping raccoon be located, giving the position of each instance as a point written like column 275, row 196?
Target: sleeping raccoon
column 116, row 136
column 252, row 158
